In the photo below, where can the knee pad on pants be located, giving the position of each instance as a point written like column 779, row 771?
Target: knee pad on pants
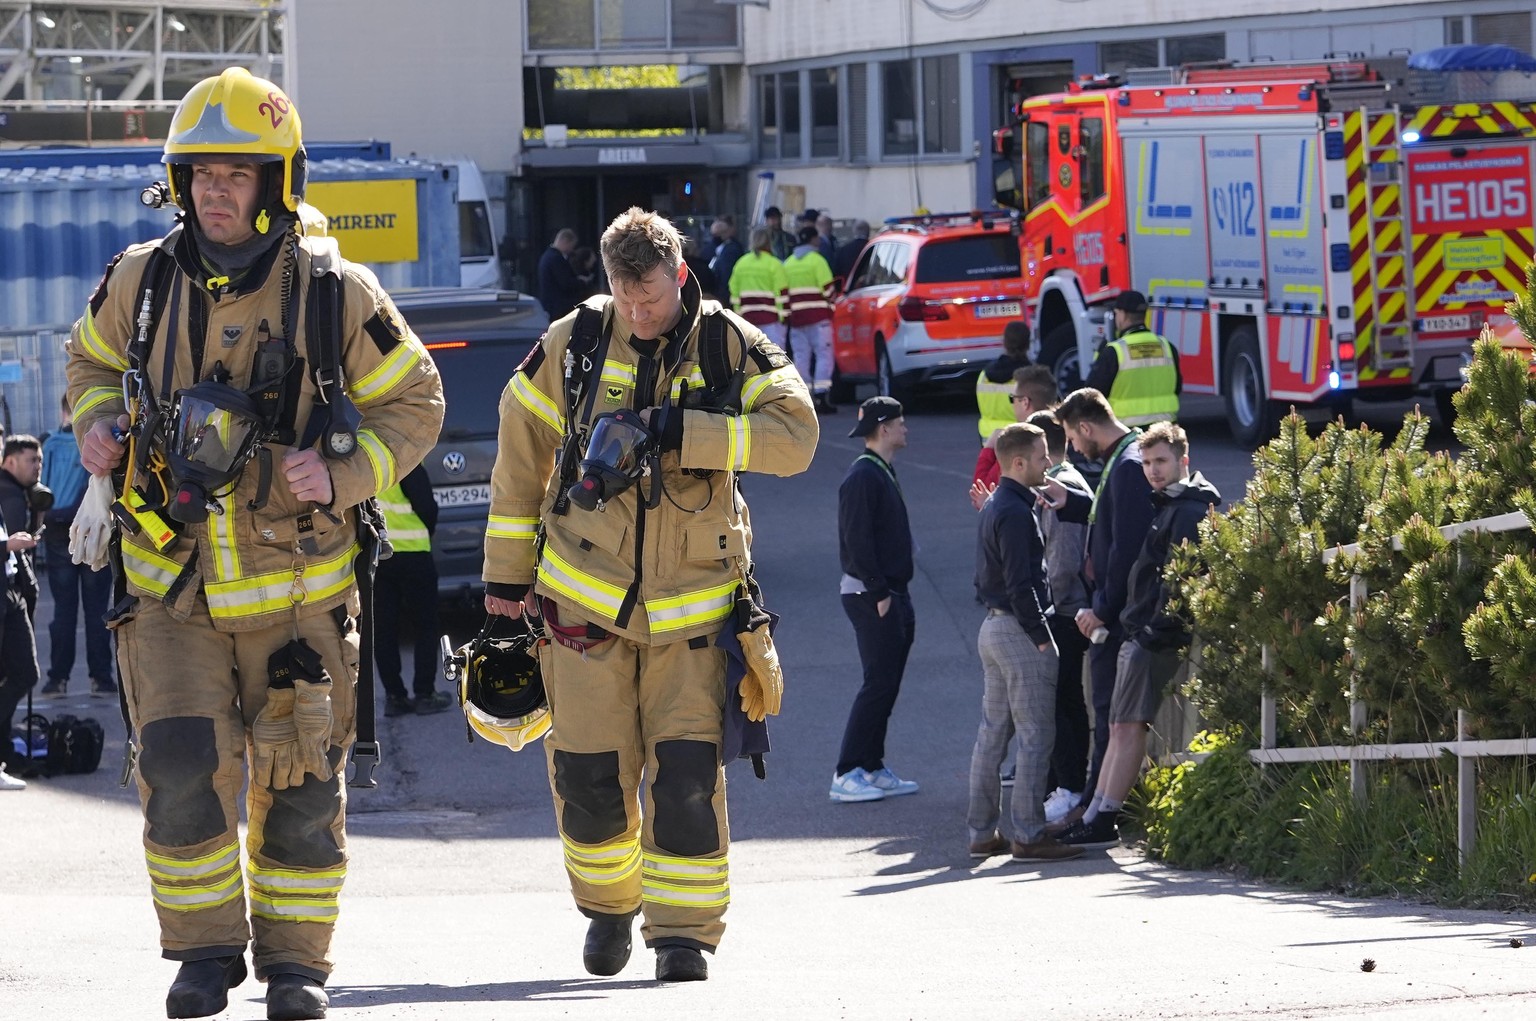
column 179, row 759
column 683, row 793
column 297, row 828
column 588, row 783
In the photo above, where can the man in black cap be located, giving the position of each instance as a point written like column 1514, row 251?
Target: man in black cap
column 1139, row 370
column 780, row 241
column 875, row 547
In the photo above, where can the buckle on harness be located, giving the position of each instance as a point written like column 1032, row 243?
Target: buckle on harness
column 365, row 759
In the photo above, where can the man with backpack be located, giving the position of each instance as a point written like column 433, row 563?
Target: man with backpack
column 634, row 565
column 257, row 391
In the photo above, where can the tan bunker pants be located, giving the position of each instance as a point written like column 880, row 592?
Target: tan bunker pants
column 192, row 694
column 621, row 712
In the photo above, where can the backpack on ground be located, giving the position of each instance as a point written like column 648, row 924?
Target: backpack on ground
column 65, row 744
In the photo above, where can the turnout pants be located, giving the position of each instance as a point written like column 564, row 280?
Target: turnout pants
column 812, row 343
column 634, row 766
column 192, row 694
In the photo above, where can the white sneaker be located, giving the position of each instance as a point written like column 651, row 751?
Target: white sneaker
column 11, row 783
column 890, row 783
column 855, row 785
column 1059, row 802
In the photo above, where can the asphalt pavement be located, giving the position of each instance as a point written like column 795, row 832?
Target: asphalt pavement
column 455, row 904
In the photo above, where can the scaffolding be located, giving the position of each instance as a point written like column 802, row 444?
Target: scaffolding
column 62, row 55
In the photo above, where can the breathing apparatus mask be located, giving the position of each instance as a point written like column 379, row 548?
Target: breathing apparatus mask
column 620, row 451
column 215, row 429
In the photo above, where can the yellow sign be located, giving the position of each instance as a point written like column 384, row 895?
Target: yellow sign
column 373, row 221
column 1473, row 253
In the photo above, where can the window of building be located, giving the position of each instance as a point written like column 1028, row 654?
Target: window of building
column 920, row 106
column 703, row 23
column 630, row 24
column 858, row 113
column 1195, row 49
column 825, row 122
column 1511, row 29
column 1116, row 57
column 941, row 104
column 789, row 115
column 898, row 97
column 768, row 116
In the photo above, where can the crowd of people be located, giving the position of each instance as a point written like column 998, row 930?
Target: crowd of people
column 1080, row 502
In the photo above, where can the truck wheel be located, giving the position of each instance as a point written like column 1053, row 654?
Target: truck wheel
column 886, row 383
column 1058, row 351
column 1249, row 411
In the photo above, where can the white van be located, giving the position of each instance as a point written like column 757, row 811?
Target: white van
column 479, row 261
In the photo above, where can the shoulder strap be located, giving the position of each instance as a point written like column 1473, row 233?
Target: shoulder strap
column 154, row 285
column 721, row 380
column 322, row 344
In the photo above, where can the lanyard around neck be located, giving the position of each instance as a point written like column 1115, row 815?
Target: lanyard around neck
column 1109, row 466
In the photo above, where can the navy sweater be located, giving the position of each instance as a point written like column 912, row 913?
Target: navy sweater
column 1010, row 560
column 874, row 537
column 1116, row 535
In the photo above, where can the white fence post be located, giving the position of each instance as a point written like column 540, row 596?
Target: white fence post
column 1357, row 776
column 1267, row 725
column 1466, row 790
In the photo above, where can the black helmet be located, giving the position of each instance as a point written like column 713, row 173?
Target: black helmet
column 500, row 687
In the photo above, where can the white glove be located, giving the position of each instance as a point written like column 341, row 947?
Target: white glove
column 92, row 526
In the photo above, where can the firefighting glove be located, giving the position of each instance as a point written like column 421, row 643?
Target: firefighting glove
column 762, row 689
column 293, row 732
column 92, row 527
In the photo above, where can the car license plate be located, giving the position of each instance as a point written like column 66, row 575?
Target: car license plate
column 999, row 310
column 462, row 496
column 1446, row 324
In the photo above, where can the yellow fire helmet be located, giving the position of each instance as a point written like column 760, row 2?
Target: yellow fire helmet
column 501, row 689
column 237, row 117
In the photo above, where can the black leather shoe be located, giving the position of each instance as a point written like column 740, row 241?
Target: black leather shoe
column 202, row 987
column 295, row 998
column 680, row 964
column 608, row 944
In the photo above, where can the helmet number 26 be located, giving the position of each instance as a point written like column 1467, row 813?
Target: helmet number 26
column 276, row 108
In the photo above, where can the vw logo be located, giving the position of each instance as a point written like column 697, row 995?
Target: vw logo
column 453, row 462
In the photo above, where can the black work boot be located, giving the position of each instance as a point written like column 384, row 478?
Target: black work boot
column 608, row 943
column 680, row 964
column 202, row 987
column 295, row 998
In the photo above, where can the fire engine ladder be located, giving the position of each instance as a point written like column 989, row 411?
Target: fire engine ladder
column 1389, row 257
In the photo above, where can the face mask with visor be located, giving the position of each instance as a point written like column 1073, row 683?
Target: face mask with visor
column 620, row 451
column 215, row 429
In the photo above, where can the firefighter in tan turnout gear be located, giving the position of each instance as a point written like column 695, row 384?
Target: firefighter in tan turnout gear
column 635, row 560
column 208, row 369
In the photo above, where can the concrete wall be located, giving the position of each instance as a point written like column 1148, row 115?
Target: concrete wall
column 440, row 79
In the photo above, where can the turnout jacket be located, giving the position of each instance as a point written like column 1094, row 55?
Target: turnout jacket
column 653, row 575
column 1179, row 509
column 249, row 563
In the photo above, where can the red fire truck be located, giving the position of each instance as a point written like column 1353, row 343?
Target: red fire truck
column 1303, row 232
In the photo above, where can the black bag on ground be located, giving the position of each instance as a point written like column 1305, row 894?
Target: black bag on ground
column 65, row 744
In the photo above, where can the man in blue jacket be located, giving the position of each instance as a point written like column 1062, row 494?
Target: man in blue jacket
column 1118, row 515
column 72, row 585
column 875, row 547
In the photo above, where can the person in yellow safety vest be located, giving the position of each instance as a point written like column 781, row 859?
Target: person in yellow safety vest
column 633, row 595
column 994, row 384
column 406, row 589
column 759, row 288
column 1139, row 370
column 236, row 621
column 810, row 316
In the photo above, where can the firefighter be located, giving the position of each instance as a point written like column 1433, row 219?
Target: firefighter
column 1139, row 370
column 237, row 605
column 634, row 562
column 810, row 316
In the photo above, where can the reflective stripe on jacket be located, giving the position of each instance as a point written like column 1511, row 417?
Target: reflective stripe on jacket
column 1146, row 384
column 759, row 288
column 810, row 287
column 407, row 532
column 994, row 402
column 673, row 568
